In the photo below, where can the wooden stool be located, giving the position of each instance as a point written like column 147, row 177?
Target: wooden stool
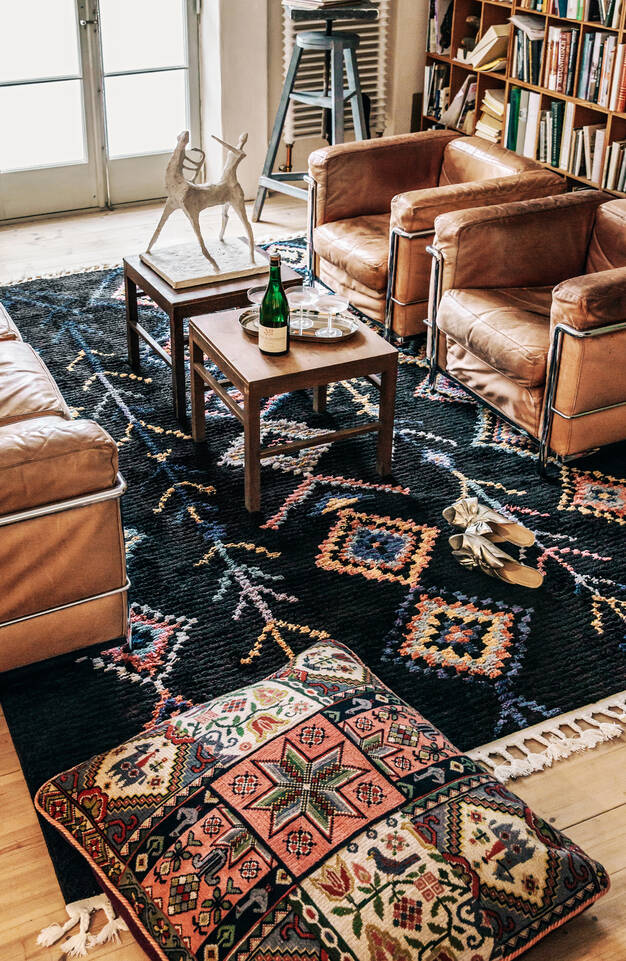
column 338, row 48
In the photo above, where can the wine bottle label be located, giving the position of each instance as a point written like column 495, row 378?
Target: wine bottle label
column 273, row 340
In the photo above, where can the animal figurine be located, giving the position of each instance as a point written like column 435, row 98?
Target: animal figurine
column 192, row 198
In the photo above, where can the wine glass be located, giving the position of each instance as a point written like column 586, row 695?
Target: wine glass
column 256, row 294
column 332, row 304
column 301, row 297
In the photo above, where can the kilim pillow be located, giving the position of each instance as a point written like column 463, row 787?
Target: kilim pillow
column 314, row 815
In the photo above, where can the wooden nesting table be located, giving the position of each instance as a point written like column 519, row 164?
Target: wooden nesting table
column 178, row 305
column 223, row 343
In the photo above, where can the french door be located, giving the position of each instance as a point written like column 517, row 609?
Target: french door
column 93, row 94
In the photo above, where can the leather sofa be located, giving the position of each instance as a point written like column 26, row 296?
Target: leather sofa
column 373, row 206
column 62, row 556
column 528, row 314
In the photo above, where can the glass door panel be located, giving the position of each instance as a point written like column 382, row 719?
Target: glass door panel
column 149, row 95
column 45, row 147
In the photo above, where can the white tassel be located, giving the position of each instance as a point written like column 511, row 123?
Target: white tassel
column 561, row 737
column 79, row 912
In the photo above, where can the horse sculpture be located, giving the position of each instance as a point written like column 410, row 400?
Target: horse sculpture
column 192, row 198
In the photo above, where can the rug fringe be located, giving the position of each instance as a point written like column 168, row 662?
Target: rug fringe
column 80, row 912
column 560, row 737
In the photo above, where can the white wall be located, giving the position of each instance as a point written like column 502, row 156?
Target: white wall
column 241, row 57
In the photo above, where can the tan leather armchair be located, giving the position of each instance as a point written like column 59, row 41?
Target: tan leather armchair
column 373, row 206
column 528, row 314
column 62, row 555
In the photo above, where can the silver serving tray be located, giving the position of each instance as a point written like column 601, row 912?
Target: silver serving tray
column 249, row 321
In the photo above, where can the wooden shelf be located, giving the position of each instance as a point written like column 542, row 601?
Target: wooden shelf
column 487, row 11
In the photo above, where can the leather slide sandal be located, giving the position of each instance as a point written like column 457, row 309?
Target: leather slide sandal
column 472, row 550
column 468, row 513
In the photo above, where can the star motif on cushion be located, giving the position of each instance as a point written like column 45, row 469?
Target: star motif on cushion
column 307, row 787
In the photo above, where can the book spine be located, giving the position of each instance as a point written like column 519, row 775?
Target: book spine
column 557, row 129
column 621, row 92
column 571, row 65
column 583, row 77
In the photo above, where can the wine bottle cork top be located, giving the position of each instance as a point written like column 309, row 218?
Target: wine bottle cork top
column 274, row 260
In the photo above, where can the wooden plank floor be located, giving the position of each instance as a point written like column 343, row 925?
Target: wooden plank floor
column 585, row 795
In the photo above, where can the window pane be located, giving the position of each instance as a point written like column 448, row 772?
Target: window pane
column 142, row 34
column 38, row 38
column 145, row 112
column 45, row 121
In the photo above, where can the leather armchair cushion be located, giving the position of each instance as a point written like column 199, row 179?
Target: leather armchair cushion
column 47, row 459
column 362, row 178
column 417, row 209
column 512, row 245
column 359, row 246
column 591, row 300
column 26, row 386
column 608, row 241
column 507, row 329
column 472, row 158
column 8, row 330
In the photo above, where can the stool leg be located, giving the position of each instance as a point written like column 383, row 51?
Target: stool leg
column 279, row 123
column 356, row 101
column 336, row 89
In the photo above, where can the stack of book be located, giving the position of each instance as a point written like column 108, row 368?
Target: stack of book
column 560, row 59
column 521, row 121
column 596, row 71
column 614, row 175
column 439, row 26
column 489, row 124
column 606, row 12
column 436, row 89
column 527, row 48
column 490, row 51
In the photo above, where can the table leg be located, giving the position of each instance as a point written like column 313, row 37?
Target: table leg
column 132, row 337
column 319, row 399
column 252, row 445
column 177, row 350
column 385, row 416
column 198, row 413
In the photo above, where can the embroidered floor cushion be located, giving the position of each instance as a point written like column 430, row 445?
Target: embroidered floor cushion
column 314, row 815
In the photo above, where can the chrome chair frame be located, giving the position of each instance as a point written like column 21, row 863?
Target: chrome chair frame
column 72, row 503
column 549, row 411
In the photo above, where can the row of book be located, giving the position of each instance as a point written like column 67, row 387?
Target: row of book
column 605, row 12
column 602, row 77
column 527, row 48
column 560, row 59
column 439, row 35
column 436, row 89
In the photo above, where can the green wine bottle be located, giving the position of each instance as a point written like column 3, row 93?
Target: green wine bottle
column 274, row 314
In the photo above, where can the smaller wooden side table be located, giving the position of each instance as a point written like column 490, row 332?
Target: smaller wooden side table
column 256, row 375
column 178, row 305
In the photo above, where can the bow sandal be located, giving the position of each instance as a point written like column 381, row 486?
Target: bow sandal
column 472, row 550
column 467, row 512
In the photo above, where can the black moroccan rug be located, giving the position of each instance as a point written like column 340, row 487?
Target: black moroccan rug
column 220, row 598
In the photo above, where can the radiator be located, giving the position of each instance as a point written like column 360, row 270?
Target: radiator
column 372, row 55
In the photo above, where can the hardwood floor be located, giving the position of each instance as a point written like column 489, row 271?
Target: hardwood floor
column 585, row 795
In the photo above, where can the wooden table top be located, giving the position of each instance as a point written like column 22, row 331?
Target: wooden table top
column 306, row 364
column 190, row 297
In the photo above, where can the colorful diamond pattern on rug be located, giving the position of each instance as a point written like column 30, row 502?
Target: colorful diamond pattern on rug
column 378, row 548
column 358, row 832
column 594, row 493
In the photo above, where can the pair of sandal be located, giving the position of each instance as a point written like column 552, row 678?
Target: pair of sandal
column 476, row 546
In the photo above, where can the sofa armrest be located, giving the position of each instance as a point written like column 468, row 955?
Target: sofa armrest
column 416, row 210
column 48, row 459
column 531, row 243
column 356, row 179
column 591, row 300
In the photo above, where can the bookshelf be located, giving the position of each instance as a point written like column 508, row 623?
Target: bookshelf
column 584, row 112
